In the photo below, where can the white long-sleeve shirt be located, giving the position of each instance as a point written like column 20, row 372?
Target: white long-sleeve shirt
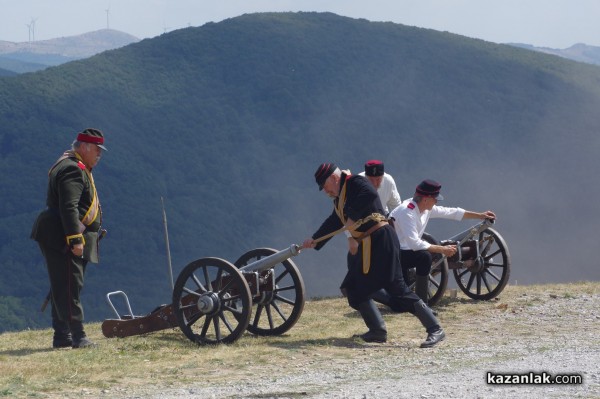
column 388, row 193
column 410, row 224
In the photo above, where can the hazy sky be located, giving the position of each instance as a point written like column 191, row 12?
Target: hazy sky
column 546, row 23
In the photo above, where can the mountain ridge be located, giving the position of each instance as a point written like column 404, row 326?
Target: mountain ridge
column 578, row 52
column 33, row 56
column 36, row 55
column 77, row 46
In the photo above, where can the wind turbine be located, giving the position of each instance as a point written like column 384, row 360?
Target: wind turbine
column 33, row 29
column 29, row 29
column 107, row 12
column 165, row 27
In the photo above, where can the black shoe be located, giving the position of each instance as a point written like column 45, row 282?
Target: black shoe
column 62, row 342
column 433, row 338
column 83, row 342
column 373, row 336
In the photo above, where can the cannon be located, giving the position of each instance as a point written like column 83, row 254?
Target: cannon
column 215, row 301
column 481, row 265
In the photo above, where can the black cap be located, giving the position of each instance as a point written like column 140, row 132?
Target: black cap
column 323, row 172
column 374, row 167
column 93, row 136
column 429, row 188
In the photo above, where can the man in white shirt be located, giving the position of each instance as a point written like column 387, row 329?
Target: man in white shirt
column 383, row 183
column 410, row 222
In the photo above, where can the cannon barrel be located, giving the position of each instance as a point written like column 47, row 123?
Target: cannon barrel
column 271, row 260
column 471, row 231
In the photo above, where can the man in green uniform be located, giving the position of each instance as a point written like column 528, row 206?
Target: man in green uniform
column 68, row 231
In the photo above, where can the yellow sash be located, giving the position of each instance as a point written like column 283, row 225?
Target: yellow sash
column 366, row 242
column 94, row 209
column 366, row 254
column 339, row 208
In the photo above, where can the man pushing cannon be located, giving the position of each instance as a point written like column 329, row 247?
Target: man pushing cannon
column 376, row 244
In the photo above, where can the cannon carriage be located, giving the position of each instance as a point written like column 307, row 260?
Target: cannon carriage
column 262, row 292
column 215, row 301
column 481, row 265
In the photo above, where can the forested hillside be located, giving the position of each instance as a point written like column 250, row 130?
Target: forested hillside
column 229, row 121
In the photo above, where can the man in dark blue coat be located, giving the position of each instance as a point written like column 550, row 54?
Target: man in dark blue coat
column 376, row 245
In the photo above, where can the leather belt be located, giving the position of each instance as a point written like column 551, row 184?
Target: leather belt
column 371, row 231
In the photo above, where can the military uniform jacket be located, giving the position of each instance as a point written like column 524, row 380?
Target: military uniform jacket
column 383, row 251
column 361, row 200
column 73, row 213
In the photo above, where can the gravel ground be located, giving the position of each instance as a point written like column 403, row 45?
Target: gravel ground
column 556, row 334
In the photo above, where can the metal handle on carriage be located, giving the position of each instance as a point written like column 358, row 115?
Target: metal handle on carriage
column 121, row 293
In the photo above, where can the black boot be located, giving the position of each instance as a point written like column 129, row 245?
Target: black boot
column 62, row 334
column 422, row 287
column 372, row 318
column 435, row 333
column 80, row 340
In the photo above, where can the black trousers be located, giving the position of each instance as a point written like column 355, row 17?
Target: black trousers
column 66, row 273
column 384, row 274
column 420, row 260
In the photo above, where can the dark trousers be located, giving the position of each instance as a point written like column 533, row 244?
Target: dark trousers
column 420, row 260
column 401, row 298
column 66, row 274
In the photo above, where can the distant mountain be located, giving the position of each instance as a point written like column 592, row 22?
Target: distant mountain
column 19, row 63
column 33, row 56
column 578, row 52
column 228, row 122
column 6, row 72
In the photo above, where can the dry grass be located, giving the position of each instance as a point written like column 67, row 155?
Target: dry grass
column 29, row 368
